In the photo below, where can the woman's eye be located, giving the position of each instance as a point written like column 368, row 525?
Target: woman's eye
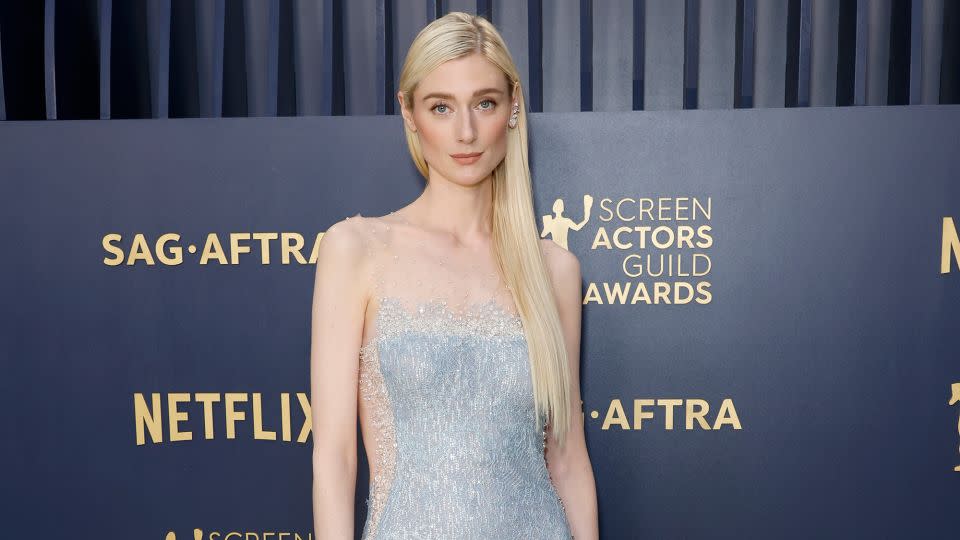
column 492, row 104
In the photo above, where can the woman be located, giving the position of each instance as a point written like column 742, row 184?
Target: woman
column 466, row 326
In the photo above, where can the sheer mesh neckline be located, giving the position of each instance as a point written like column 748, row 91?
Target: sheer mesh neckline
column 424, row 289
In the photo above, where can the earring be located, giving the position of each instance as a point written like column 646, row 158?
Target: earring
column 513, row 115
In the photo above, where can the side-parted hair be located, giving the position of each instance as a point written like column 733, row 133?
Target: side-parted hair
column 515, row 236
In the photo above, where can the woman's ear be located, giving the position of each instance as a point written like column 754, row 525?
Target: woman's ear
column 407, row 115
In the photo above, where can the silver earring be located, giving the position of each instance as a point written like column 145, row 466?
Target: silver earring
column 513, row 115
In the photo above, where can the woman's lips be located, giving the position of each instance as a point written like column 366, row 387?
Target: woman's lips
column 466, row 159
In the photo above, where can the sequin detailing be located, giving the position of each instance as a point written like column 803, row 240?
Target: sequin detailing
column 457, row 450
column 374, row 391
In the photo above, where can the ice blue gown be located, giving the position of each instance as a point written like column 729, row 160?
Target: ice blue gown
column 444, row 383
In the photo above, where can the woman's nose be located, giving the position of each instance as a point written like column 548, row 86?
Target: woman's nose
column 466, row 131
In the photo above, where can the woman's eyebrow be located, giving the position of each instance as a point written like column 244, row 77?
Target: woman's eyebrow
column 448, row 96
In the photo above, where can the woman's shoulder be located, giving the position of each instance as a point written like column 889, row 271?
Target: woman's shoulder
column 558, row 259
column 357, row 234
column 345, row 236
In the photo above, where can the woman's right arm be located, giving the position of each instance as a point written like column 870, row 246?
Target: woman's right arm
column 339, row 301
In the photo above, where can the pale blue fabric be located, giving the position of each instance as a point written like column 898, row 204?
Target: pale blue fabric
column 444, row 379
column 469, row 461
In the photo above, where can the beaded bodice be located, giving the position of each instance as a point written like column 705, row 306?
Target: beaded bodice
column 446, row 399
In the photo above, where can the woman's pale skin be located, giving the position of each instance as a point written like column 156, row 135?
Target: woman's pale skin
column 462, row 106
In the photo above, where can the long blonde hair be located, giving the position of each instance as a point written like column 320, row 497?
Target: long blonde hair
column 516, row 241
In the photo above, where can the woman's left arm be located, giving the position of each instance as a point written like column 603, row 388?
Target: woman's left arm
column 570, row 468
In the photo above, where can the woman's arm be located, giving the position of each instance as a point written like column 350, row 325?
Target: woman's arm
column 339, row 299
column 570, row 467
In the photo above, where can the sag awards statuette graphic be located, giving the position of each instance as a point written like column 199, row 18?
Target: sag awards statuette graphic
column 660, row 243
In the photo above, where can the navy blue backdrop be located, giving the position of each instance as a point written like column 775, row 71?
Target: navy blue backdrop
column 805, row 342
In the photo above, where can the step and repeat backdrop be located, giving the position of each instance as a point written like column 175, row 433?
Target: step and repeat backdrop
column 771, row 328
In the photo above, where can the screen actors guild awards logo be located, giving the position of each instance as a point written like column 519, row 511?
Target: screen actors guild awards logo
column 248, row 535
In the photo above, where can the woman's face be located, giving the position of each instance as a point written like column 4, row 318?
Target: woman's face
column 461, row 107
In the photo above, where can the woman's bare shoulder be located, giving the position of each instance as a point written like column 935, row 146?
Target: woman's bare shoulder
column 558, row 259
column 353, row 243
column 343, row 260
column 345, row 238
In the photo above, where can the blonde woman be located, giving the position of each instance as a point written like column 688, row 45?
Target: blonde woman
column 450, row 329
